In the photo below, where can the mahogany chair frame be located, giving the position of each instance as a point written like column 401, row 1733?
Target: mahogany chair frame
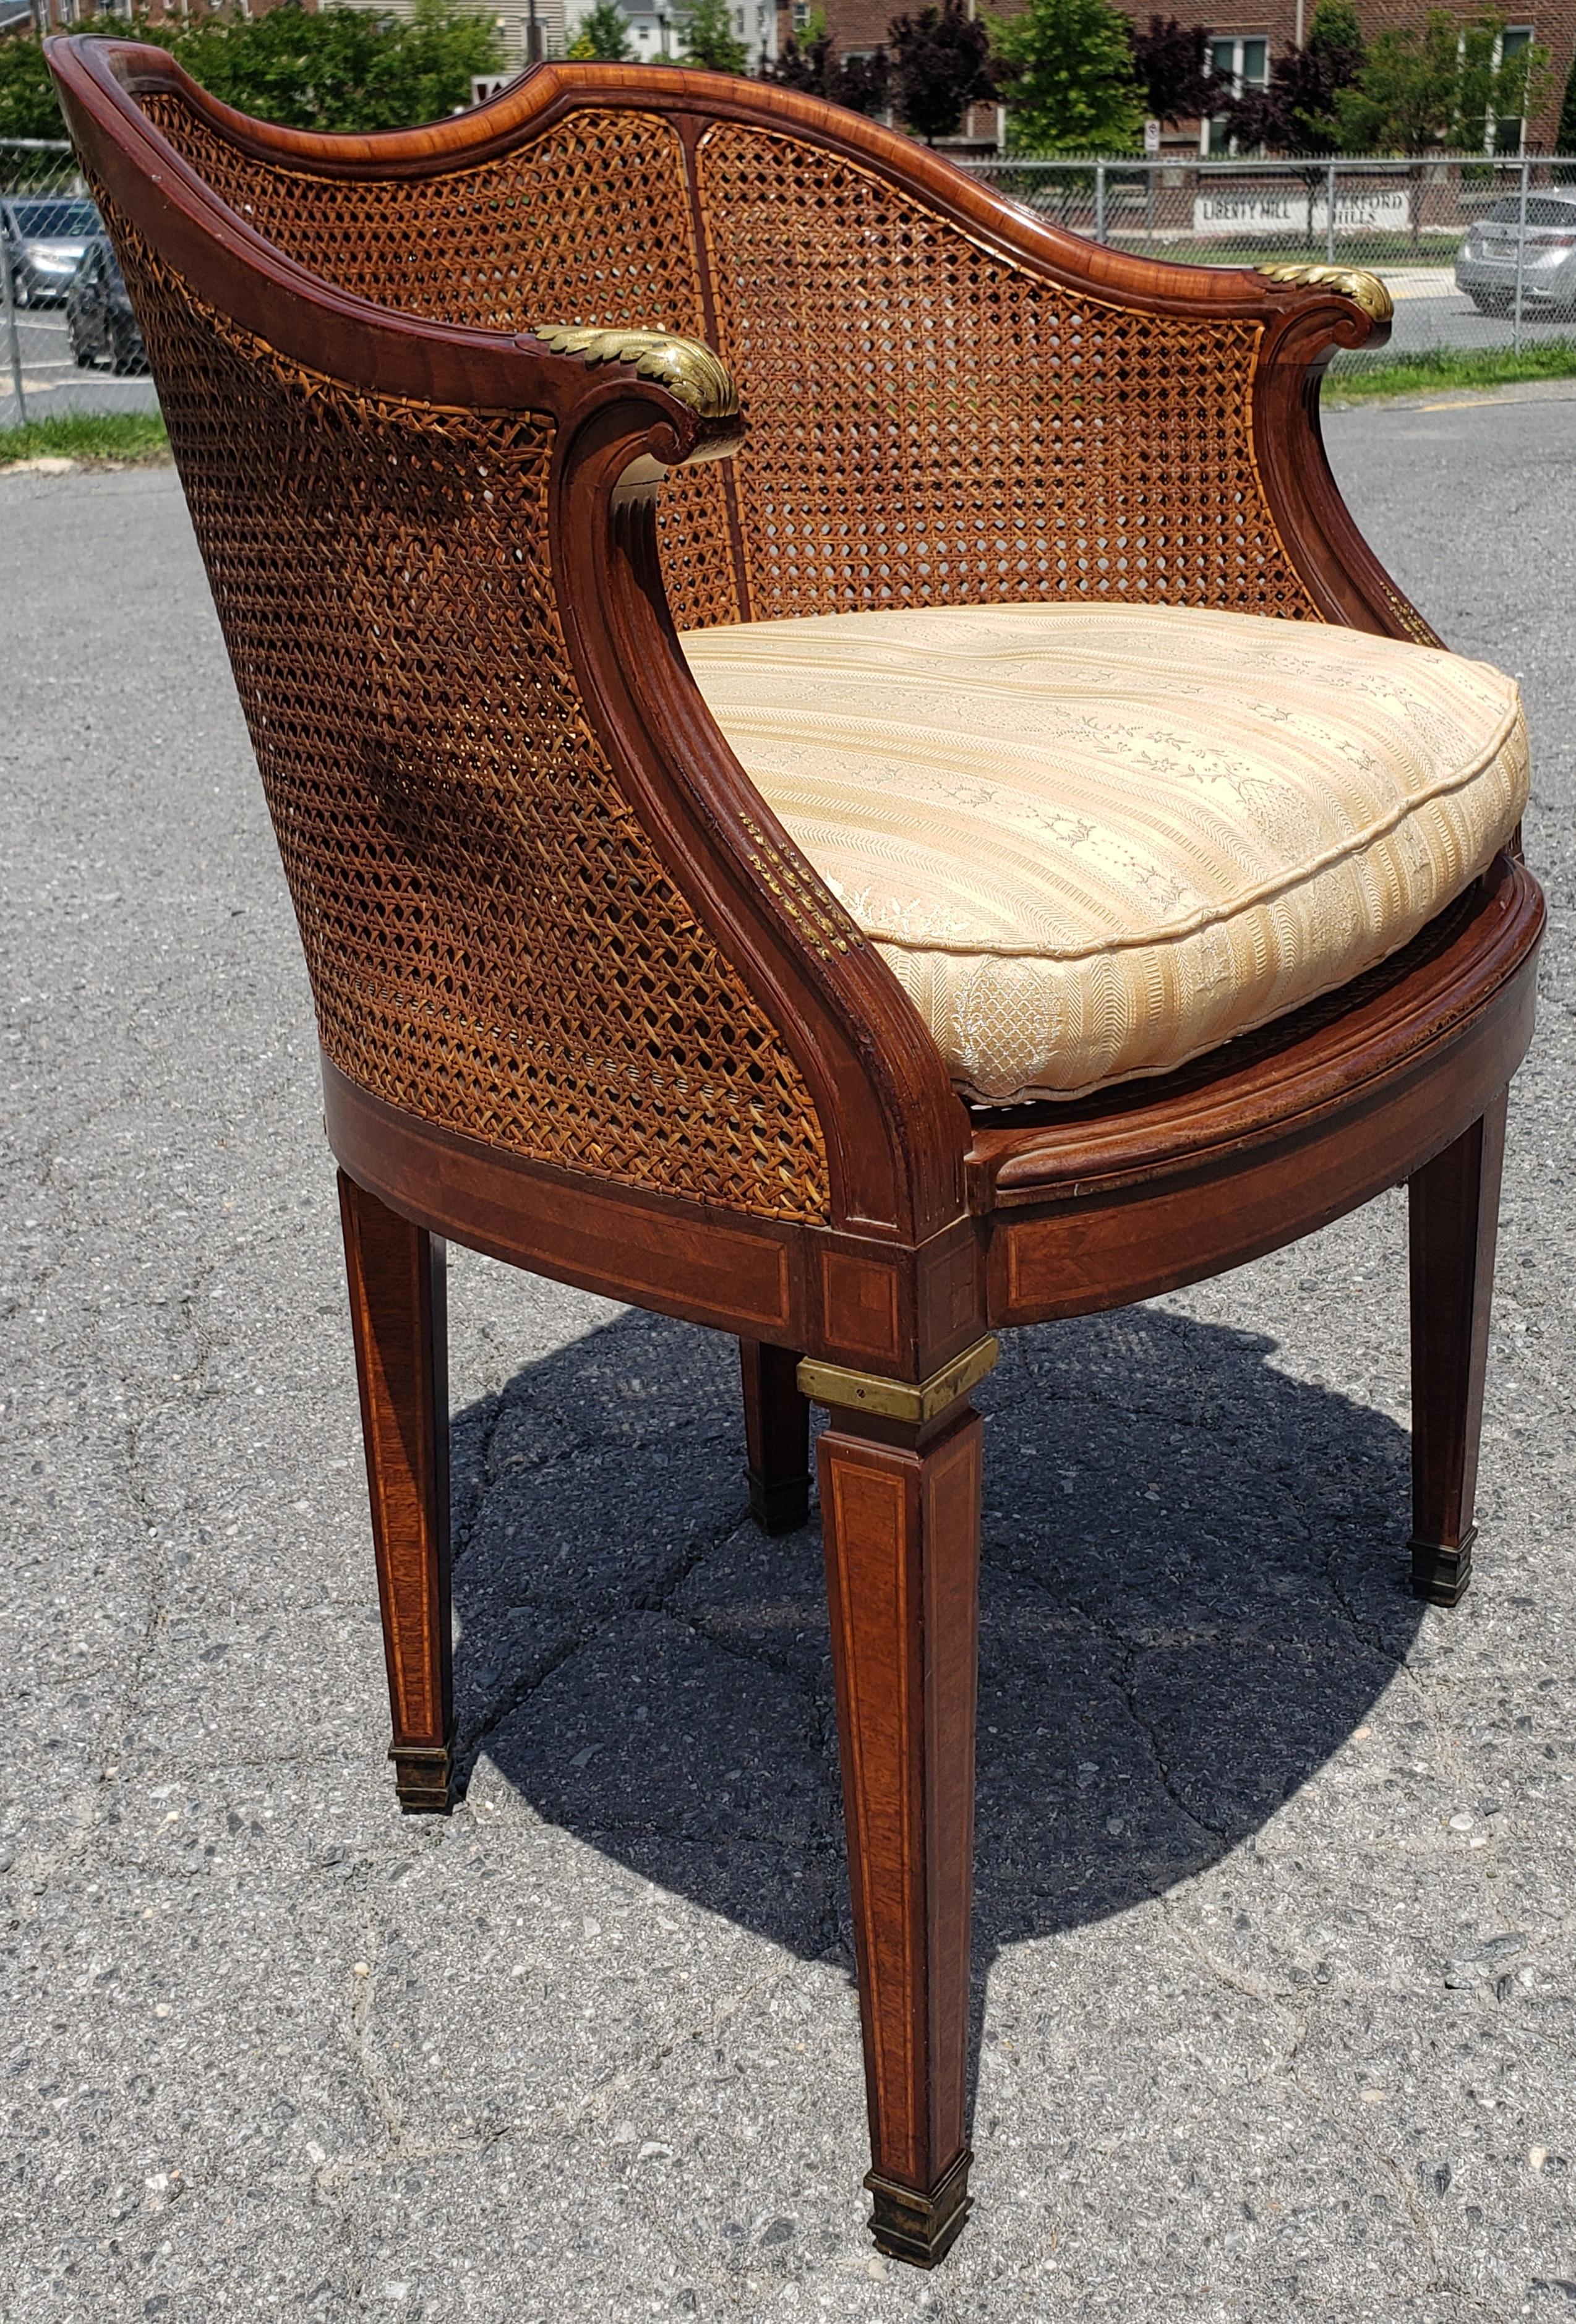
column 941, row 1226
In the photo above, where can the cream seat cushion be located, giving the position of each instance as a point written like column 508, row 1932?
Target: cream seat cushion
column 1093, row 842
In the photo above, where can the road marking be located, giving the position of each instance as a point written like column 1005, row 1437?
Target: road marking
column 1508, row 394
column 30, row 386
column 1469, row 402
column 1526, row 390
column 1419, row 282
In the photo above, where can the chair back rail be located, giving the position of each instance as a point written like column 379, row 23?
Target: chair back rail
column 950, row 401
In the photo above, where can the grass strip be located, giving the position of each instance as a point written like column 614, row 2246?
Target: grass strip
column 137, row 439
column 1448, row 368
column 97, row 439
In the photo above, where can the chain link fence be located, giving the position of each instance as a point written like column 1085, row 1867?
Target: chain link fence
column 47, row 366
column 1477, row 252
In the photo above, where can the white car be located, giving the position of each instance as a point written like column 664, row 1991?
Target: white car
column 1486, row 266
column 45, row 238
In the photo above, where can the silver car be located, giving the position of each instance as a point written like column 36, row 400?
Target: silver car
column 45, row 238
column 1486, row 266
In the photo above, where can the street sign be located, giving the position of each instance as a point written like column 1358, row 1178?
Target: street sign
column 1151, row 137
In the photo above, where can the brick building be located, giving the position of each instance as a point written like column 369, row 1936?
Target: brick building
column 1245, row 36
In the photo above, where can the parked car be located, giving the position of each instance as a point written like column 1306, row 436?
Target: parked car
column 1486, row 266
column 45, row 237
column 99, row 321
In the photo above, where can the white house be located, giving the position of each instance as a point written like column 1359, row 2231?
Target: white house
column 530, row 28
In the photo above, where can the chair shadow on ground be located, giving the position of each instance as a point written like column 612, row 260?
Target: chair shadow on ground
column 1194, row 1586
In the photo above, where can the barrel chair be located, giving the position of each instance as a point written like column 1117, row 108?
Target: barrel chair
column 846, row 776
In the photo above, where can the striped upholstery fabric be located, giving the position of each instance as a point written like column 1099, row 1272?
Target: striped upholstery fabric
column 1093, row 842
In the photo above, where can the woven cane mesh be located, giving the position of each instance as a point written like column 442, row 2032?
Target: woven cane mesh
column 929, row 426
column 589, row 223
column 491, row 940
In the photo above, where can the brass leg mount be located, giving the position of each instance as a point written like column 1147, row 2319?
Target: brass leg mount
column 1441, row 1576
column 422, row 1775
column 920, row 2229
column 915, row 1402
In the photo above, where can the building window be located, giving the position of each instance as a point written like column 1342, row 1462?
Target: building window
column 1483, row 52
column 1502, row 133
column 801, row 15
column 1239, row 62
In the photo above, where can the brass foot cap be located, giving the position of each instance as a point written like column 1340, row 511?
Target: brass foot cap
column 781, row 1507
column 423, row 1772
column 1440, row 1575
column 920, row 2229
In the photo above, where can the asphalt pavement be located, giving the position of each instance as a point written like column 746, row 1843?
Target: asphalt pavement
column 1276, row 1940
column 52, row 381
column 1431, row 312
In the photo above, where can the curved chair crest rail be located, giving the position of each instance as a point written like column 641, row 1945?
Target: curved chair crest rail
column 500, row 436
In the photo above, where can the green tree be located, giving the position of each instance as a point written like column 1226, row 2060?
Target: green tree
column 27, row 94
column 1497, row 89
column 1335, row 28
column 1565, row 138
column 710, row 40
column 340, row 69
column 1068, row 78
column 1419, row 91
column 603, row 37
column 1404, row 98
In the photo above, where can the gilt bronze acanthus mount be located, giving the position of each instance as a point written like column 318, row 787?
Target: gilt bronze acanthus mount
column 1354, row 282
column 683, row 366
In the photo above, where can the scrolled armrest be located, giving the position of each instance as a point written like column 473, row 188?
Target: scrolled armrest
column 1354, row 282
column 685, row 367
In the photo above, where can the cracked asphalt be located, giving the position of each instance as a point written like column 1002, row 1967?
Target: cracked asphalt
column 1275, row 1973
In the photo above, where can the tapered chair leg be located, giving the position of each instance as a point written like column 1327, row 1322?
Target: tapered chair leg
column 1454, row 1221
column 900, row 1507
column 398, row 1309
column 777, row 1436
